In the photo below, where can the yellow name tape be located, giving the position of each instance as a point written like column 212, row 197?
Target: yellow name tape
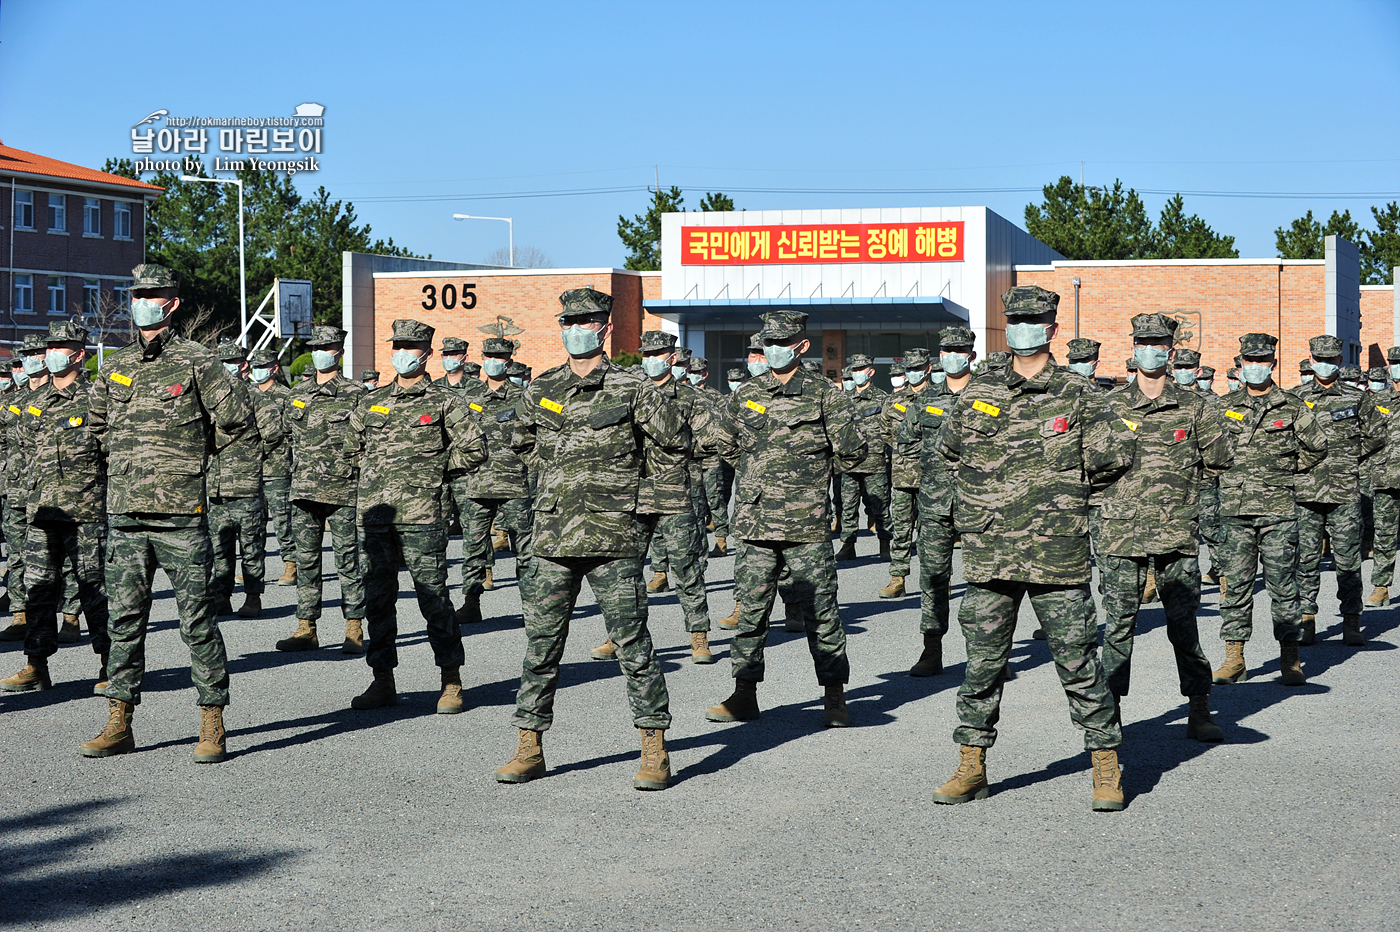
column 379, row 408
column 900, row 408
column 755, row 406
column 14, row 410
column 298, row 403
column 1130, row 425
column 120, row 379
column 989, row 410
column 1382, row 410
column 474, row 406
column 932, row 410
column 34, row 411
column 1235, row 414
column 554, row 406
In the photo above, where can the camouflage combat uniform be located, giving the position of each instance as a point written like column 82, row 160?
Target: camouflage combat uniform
column 585, row 438
column 868, row 481
column 272, row 402
column 718, row 476
column 1149, row 520
column 1026, row 451
column 17, row 480
column 1329, row 495
column 157, row 407
column 904, row 468
column 1384, row 471
column 1272, row 438
column 688, row 398
column 408, row 440
column 324, row 478
column 784, row 440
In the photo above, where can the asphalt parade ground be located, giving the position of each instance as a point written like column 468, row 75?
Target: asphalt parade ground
column 327, row 818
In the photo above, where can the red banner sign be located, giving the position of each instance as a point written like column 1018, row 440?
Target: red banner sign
column 821, row 243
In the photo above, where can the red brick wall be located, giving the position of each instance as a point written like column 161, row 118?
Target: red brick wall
column 531, row 301
column 1377, row 325
column 1218, row 304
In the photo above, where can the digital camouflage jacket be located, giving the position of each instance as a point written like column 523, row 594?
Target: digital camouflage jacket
column 503, row 476
column 916, row 440
column 869, row 409
column 319, row 420
column 1384, row 466
column 1272, row 438
column 277, row 452
column 668, row 472
column 1354, row 432
column 236, row 471
column 67, row 473
column 904, row 459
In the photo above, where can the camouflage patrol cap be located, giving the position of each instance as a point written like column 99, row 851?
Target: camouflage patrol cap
column 782, row 325
column 682, row 355
column 1186, row 359
column 1083, row 348
column 67, row 331
column 698, row 364
column 325, row 335
column 516, row 369
column 229, row 351
column 1132, row 364
column 1258, row 344
column 1393, row 354
column 1325, row 345
column 1232, row 373
column 897, row 368
column 1378, row 374
column 148, row 277
column 1154, row 326
column 935, row 364
column 653, row 340
column 1350, row 373
column 955, row 336
column 860, row 361
column 472, row 369
column 997, row 360
column 734, row 375
column 846, row 373
column 33, row 342
column 408, row 330
column 1029, row 301
column 369, row 374
column 454, row 345
column 264, row 358
column 915, row 358
column 1304, row 365
column 497, row 346
column 585, row 302
column 1207, row 372
column 1240, row 362
column 756, row 343
column 812, row 365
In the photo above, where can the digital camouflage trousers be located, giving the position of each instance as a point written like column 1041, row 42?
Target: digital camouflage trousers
column 936, row 536
column 904, row 512
column 812, row 585
column 277, row 496
column 309, row 523
column 1179, row 585
column 872, row 490
column 684, row 543
column 238, row 526
column 1386, row 508
column 719, row 484
column 1248, row 541
column 424, row 548
column 52, row 546
column 1341, row 524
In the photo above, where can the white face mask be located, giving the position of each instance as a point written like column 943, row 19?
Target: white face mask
column 1377, row 386
column 1234, row 384
column 896, row 381
column 734, row 386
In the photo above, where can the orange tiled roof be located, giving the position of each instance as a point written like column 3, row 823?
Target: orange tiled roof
column 17, row 160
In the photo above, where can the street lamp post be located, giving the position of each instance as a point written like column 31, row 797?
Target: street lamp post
column 242, row 273
column 508, row 220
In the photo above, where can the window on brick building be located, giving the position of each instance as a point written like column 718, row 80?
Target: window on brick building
column 92, row 296
column 122, row 221
column 58, row 213
column 24, row 210
column 57, row 295
column 92, row 216
column 121, row 294
column 24, row 293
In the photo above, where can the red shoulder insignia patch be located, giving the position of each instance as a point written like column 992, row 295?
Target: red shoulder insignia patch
column 425, row 419
column 176, row 390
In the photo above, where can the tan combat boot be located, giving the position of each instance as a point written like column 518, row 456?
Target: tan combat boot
column 1149, row 591
column 1211, row 577
column 835, row 707
column 1309, row 635
column 289, row 575
column 102, row 681
column 210, row 749
column 1233, row 670
column 604, row 651
column 741, row 706
column 848, row 549
column 930, row 662
column 354, row 642
column 969, row 781
column 116, row 738
column 489, row 583
column 721, row 547
column 501, row 541
column 792, row 618
column 700, row 647
column 1378, row 597
column 1351, row 631
column 1289, row 666
column 251, row 607
column 732, row 621
column 895, row 590
column 655, row 773
column 304, row 639
column 1199, row 724
column 18, row 628
column 659, row 583
column 33, row 678
column 1108, row 781
column 450, row 702
column 1222, row 588
column 69, row 632
column 381, row 692
column 528, row 762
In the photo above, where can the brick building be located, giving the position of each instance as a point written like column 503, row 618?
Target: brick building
column 71, row 237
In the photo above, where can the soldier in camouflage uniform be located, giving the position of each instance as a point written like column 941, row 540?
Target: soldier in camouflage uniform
column 271, row 401
column 1210, row 484
column 1082, row 356
column 325, row 474
column 411, row 437
column 1349, row 375
column 454, row 358
column 937, row 495
column 1205, row 380
column 584, row 427
column 67, row 515
column 898, row 381
column 8, row 393
column 665, row 505
column 1149, row 518
column 1383, row 471
column 1132, row 368
column 1329, row 494
column 1378, row 380
column 784, row 430
column 1027, row 444
column 31, row 357
column 483, row 495
column 237, row 511
column 755, row 365
column 1273, row 437
column 369, row 378
column 904, row 470
column 1305, row 370
column 868, row 481
column 158, row 405
column 660, row 555
column 711, row 488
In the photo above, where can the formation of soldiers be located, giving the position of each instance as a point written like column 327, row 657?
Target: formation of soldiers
column 182, row 457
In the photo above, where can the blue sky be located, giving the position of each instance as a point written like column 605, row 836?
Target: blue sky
column 805, row 105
